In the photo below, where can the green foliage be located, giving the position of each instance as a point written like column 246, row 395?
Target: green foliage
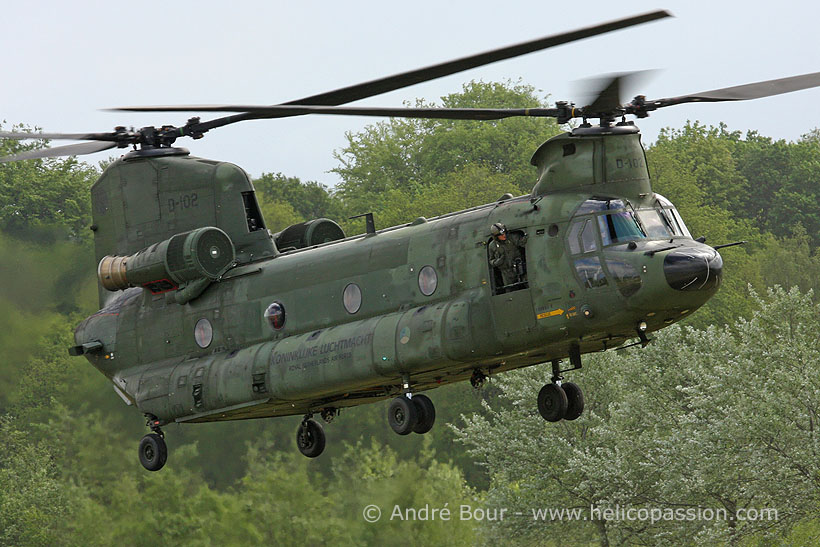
column 278, row 214
column 43, row 195
column 771, row 184
column 33, row 501
column 309, row 200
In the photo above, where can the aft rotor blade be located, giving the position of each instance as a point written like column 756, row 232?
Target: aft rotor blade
column 412, row 77
column 21, row 135
column 746, row 92
column 68, row 150
column 298, row 110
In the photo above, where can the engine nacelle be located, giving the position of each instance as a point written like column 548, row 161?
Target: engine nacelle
column 308, row 234
column 201, row 254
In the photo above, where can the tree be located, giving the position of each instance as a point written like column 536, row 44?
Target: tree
column 32, row 500
column 309, row 199
column 44, row 194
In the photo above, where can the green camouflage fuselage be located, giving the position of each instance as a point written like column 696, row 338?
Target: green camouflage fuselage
column 325, row 357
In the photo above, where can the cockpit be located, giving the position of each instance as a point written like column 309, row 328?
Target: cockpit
column 604, row 232
column 617, row 222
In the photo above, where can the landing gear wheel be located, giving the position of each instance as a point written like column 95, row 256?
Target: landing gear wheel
column 310, row 438
column 575, row 400
column 552, row 402
column 426, row 413
column 402, row 415
column 153, row 452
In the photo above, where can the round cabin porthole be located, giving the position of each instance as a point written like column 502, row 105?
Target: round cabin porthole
column 428, row 280
column 352, row 298
column 275, row 315
column 203, row 333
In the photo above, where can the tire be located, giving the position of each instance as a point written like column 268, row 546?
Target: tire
column 153, row 452
column 575, row 400
column 426, row 414
column 402, row 415
column 310, row 438
column 552, row 403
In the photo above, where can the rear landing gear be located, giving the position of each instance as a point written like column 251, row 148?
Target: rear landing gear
column 310, row 437
column 153, row 451
column 426, row 414
column 416, row 415
column 562, row 400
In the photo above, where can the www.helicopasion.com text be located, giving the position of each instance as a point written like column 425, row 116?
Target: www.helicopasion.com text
column 616, row 513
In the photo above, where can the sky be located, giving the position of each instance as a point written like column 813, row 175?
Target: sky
column 64, row 61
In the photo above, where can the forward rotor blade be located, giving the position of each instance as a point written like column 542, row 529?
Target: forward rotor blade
column 297, row 110
column 746, row 92
column 609, row 90
column 19, row 135
column 412, row 77
column 68, row 150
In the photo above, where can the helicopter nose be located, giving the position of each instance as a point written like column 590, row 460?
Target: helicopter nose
column 694, row 269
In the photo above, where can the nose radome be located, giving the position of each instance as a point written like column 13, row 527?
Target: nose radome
column 694, row 269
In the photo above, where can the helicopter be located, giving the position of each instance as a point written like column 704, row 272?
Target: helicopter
column 205, row 315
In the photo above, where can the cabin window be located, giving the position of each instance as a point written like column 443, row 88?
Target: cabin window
column 352, row 298
column 428, row 280
column 203, row 333
column 275, row 315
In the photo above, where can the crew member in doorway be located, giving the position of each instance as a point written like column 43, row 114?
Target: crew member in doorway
column 506, row 254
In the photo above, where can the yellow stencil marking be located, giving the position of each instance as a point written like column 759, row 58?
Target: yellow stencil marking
column 552, row 313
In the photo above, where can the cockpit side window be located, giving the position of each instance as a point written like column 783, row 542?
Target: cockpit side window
column 588, row 243
column 655, row 223
column 574, row 237
column 670, row 217
column 581, row 237
column 681, row 226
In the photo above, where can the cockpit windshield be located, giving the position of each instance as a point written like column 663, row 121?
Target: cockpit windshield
column 619, row 227
column 617, row 222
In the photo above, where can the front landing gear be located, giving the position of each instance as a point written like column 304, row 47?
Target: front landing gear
column 310, row 437
column 562, row 400
column 575, row 400
column 416, row 415
column 552, row 403
column 153, row 451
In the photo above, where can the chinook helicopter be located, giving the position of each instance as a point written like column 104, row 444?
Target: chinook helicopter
column 207, row 316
